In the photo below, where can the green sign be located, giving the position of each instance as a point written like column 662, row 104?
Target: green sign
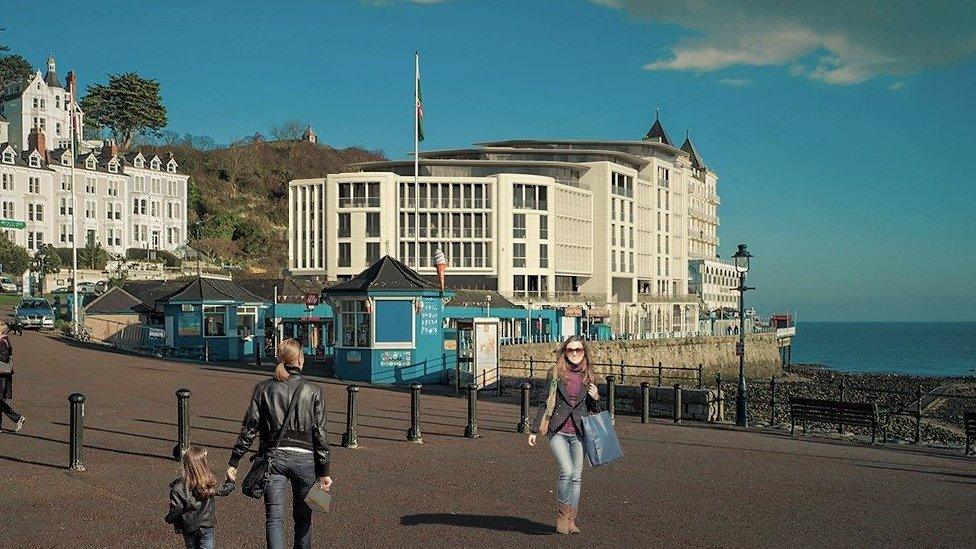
column 11, row 224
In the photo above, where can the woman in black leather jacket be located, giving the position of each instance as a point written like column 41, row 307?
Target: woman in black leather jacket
column 302, row 457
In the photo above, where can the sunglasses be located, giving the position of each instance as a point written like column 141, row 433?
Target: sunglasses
column 574, row 350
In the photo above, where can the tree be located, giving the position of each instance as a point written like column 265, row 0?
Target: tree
column 14, row 259
column 288, row 130
column 13, row 68
column 93, row 256
column 128, row 106
column 46, row 262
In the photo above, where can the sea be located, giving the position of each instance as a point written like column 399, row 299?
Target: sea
column 917, row 348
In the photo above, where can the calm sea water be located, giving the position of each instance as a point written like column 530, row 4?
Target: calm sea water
column 921, row 348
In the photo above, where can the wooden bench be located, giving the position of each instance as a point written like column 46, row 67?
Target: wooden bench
column 857, row 414
column 969, row 418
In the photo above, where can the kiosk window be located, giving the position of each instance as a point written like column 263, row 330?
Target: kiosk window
column 214, row 321
column 354, row 323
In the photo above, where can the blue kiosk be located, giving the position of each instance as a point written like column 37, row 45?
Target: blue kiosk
column 389, row 326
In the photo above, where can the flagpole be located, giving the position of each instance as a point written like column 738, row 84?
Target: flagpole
column 74, row 209
column 416, row 158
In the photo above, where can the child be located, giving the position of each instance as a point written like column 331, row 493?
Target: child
column 192, row 504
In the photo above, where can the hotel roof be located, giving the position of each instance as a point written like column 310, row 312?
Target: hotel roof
column 359, row 166
column 627, row 158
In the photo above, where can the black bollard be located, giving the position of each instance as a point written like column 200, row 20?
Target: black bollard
column 645, row 402
column 182, row 423
column 75, row 444
column 720, row 396
column 471, row 429
column 498, row 379
column 413, row 434
column 349, row 437
column 660, row 377
column 531, row 368
column 523, row 425
column 611, row 397
column 772, row 401
column 257, row 352
column 701, row 380
column 677, row 403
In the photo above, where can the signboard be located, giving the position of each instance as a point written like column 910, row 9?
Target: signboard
column 395, row 359
column 11, row 224
column 311, row 300
column 157, row 333
column 450, row 345
column 485, row 336
column 320, row 353
column 186, row 308
column 189, row 325
column 430, row 320
column 598, row 313
column 394, row 321
column 573, row 311
column 354, row 357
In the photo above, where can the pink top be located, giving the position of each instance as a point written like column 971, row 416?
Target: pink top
column 574, row 384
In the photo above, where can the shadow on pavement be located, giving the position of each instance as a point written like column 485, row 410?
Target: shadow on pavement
column 27, row 462
column 485, row 522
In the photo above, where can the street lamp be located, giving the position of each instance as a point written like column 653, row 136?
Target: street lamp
column 740, row 259
column 529, row 319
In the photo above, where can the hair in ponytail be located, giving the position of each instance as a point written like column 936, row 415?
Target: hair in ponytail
column 289, row 354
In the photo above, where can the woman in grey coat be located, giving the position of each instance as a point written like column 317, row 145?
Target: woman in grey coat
column 571, row 394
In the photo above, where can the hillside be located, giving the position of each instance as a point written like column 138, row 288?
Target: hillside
column 240, row 196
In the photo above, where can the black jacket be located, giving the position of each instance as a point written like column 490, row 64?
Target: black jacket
column 189, row 514
column 305, row 429
column 564, row 410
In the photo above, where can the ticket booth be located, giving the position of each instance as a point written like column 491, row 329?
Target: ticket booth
column 389, row 326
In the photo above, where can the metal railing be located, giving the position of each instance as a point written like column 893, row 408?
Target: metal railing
column 629, row 374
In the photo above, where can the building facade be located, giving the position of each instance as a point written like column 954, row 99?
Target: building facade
column 40, row 102
column 609, row 225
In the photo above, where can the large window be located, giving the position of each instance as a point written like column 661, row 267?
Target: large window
column 543, row 256
column 372, row 224
column 345, row 254
column 518, row 226
column 247, row 318
column 354, row 323
column 345, row 225
column 214, row 321
column 373, row 252
column 518, row 259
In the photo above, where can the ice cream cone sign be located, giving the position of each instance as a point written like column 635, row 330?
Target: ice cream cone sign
column 440, row 262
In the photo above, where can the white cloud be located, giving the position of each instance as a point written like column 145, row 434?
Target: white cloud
column 832, row 41
column 896, row 86
column 735, row 82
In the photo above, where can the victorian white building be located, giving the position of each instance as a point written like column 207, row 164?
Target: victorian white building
column 40, row 102
column 607, row 224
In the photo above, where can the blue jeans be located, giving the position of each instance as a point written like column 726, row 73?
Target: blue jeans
column 568, row 450
column 298, row 469
column 201, row 539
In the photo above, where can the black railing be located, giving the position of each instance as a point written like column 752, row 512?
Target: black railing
column 626, row 374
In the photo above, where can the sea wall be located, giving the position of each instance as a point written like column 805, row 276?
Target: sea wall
column 641, row 357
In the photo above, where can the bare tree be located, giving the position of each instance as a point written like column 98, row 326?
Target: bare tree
column 288, row 130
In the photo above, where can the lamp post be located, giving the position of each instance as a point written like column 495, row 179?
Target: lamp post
column 529, row 320
column 741, row 261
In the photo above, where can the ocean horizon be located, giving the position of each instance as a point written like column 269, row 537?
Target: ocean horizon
column 904, row 347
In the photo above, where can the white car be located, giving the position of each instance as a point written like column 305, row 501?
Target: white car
column 7, row 285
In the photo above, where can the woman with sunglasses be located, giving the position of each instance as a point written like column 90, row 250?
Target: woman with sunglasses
column 571, row 394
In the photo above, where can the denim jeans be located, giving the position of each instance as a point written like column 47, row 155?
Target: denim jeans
column 201, row 539
column 298, row 469
column 6, row 410
column 568, row 449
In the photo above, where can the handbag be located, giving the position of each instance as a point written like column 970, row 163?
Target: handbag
column 6, row 358
column 550, row 406
column 256, row 480
column 318, row 499
column 600, row 441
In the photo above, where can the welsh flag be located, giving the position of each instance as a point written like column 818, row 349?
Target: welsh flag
column 419, row 104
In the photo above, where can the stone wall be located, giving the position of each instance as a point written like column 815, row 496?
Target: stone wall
column 641, row 358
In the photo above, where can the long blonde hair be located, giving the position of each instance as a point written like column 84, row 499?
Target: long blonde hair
column 196, row 473
column 289, row 354
column 562, row 364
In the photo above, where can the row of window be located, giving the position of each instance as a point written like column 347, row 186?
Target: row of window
column 446, row 195
column 530, row 197
column 441, row 225
column 458, row 254
column 518, row 255
column 359, row 195
column 622, row 185
column 625, row 206
column 518, row 226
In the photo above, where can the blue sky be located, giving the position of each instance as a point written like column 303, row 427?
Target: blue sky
column 841, row 133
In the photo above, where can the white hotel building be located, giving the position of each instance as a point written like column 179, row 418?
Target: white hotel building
column 123, row 201
column 610, row 225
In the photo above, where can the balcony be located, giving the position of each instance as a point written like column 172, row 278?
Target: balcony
column 674, row 298
column 523, row 296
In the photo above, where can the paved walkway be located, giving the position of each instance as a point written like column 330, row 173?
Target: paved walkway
column 689, row 485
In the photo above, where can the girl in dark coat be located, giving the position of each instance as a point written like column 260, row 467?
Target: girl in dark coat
column 7, row 379
column 571, row 395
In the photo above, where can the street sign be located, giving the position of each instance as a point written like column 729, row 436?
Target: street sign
column 11, row 224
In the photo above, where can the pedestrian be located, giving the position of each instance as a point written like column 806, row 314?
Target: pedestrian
column 570, row 395
column 192, row 500
column 302, row 456
column 7, row 379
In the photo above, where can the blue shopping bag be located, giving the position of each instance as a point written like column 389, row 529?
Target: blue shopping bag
column 600, row 440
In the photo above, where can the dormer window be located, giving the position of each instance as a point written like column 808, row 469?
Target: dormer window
column 154, row 164
column 171, row 167
column 138, row 162
column 113, row 167
column 8, row 156
column 66, row 159
column 90, row 163
column 34, row 161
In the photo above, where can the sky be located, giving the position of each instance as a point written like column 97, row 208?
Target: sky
column 840, row 131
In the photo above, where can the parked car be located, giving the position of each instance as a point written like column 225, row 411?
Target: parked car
column 7, row 285
column 35, row 312
column 62, row 290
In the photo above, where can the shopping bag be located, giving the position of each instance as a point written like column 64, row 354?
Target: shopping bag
column 600, row 440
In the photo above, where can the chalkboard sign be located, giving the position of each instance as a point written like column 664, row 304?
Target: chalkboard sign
column 430, row 320
column 395, row 359
column 394, row 321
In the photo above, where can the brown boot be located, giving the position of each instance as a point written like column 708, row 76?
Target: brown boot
column 572, row 521
column 562, row 519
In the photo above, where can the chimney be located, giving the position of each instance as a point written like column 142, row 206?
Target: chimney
column 71, row 85
column 109, row 150
column 36, row 142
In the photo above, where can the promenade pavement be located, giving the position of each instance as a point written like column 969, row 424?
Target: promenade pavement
column 689, row 485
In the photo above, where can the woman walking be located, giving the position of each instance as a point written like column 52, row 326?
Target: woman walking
column 571, row 394
column 302, row 456
column 7, row 379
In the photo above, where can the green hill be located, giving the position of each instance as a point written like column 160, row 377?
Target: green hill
column 240, row 196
